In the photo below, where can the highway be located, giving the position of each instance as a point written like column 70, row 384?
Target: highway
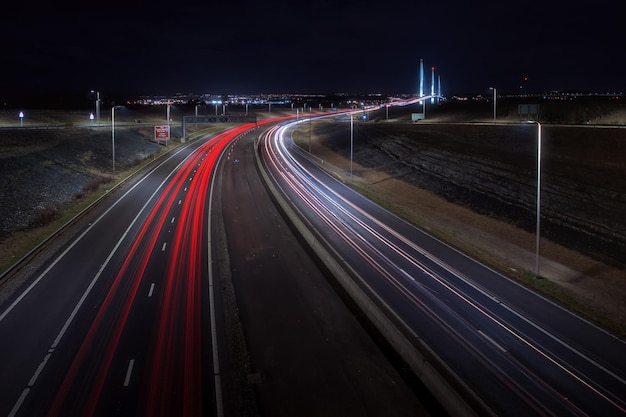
column 129, row 316
column 487, row 345
column 125, row 318
column 119, row 321
column 309, row 353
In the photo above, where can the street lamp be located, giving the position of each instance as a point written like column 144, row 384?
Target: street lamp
column 21, row 116
column 538, row 221
column 113, row 134
column 351, row 142
column 494, row 102
column 169, row 103
column 97, row 106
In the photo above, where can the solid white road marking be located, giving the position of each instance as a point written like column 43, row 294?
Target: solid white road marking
column 22, row 397
column 39, row 369
column 19, row 402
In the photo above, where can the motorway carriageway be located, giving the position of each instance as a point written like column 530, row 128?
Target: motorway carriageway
column 483, row 343
column 79, row 324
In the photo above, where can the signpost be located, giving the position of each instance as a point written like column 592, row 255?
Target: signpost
column 162, row 133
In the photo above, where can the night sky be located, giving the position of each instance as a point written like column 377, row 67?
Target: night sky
column 318, row 46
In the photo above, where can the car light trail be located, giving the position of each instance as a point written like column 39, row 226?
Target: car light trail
column 178, row 324
column 501, row 345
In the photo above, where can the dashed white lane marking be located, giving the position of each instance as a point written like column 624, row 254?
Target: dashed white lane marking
column 151, row 290
column 129, row 372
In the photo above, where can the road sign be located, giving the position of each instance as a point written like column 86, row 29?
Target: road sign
column 161, row 133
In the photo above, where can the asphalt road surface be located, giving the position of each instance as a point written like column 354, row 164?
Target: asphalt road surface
column 127, row 316
column 116, row 321
column 309, row 355
column 510, row 351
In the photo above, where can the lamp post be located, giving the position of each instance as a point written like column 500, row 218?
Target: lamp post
column 351, row 142
column 113, row 134
column 494, row 102
column 21, row 116
column 97, row 105
column 538, row 220
column 169, row 103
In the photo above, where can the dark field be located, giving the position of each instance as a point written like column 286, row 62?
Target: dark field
column 493, row 170
column 42, row 171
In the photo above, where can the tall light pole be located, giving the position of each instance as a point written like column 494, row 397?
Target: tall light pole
column 113, row 134
column 169, row 103
column 351, row 142
column 21, row 116
column 97, row 106
column 494, row 102
column 538, row 220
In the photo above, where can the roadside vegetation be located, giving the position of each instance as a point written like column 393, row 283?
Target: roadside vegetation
column 53, row 171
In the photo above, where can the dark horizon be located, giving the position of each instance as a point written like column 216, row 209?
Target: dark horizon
column 153, row 48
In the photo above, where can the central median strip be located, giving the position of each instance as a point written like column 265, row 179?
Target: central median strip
column 456, row 397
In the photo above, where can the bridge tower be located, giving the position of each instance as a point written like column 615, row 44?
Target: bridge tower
column 432, row 85
column 421, row 92
column 439, row 86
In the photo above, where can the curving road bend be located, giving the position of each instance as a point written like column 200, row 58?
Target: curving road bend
column 127, row 317
column 122, row 320
column 118, row 322
column 309, row 355
column 506, row 350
